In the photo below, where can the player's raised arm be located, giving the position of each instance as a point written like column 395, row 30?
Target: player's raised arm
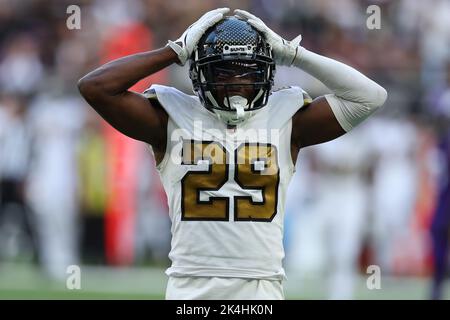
column 106, row 88
column 355, row 97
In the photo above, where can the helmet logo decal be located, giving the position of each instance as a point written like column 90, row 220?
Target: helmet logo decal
column 227, row 49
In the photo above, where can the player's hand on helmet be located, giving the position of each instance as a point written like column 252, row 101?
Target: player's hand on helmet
column 184, row 46
column 284, row 52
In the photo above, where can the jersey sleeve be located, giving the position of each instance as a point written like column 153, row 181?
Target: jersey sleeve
column 179, row 106
column 150, row 94
column 306, row 98
column 286, row 102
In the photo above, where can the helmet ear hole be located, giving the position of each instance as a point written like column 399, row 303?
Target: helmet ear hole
column 234, row 43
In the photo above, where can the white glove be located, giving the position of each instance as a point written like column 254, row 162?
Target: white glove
column 284, row 52
column 184, row 46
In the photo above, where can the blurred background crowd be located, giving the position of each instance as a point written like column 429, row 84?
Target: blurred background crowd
column 74, row 191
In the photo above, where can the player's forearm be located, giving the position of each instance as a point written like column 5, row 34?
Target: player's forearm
column 343, row 80
column 355, row 97
column 117, row 76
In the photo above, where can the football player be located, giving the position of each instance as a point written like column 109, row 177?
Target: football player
column 226, row 154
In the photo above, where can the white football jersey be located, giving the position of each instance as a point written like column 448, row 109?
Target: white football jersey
column 226, row 188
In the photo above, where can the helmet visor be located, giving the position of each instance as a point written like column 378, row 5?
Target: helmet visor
column 237, row 71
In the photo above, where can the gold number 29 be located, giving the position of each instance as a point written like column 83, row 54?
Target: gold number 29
column 255, row 168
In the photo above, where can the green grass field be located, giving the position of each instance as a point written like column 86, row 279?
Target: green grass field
column 23, row 281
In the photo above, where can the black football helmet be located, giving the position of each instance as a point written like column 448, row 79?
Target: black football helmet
column 232, row 49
